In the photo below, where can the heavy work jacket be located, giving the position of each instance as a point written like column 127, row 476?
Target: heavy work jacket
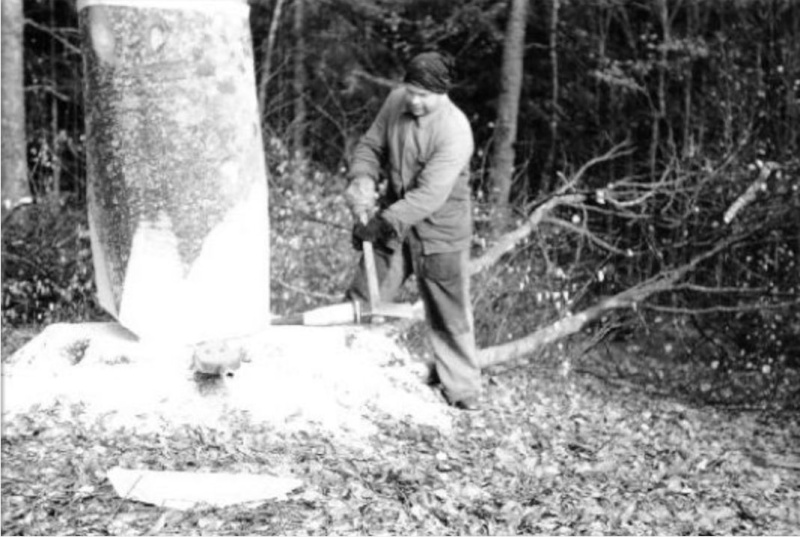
column 427, row 162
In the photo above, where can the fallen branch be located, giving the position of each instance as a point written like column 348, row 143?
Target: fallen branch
column 664, row 281
column 768, row 460
column 540, row 211
column 507, row 242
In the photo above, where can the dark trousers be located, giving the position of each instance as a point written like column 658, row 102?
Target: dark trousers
column 443, row 282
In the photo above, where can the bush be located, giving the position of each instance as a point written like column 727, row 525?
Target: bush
column 47, row 267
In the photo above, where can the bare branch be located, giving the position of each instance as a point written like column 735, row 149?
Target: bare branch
column 52, row 32
column 723, row 309
column 379, row 80
column 765, row 169
column 721, row 290
column 508, row 241
column 583, row 231
column 615, row 152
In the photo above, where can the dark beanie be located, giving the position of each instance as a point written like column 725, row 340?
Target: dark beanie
column 431, row 71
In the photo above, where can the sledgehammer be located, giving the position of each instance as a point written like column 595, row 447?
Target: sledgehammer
column 373, row 290
column 352, row 312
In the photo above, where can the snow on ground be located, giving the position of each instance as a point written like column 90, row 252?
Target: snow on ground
column 342, row 380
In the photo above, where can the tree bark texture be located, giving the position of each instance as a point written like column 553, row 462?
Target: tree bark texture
column 14, row 164
column 503, row 154
column 176, row 187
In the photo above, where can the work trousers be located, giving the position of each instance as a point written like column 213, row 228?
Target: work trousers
column 443, row 282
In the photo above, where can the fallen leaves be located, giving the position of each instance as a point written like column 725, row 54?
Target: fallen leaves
column 551, row 456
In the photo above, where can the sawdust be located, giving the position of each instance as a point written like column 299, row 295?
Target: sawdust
column 344, row 381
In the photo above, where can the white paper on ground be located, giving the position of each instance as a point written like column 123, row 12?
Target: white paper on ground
column 184, row 490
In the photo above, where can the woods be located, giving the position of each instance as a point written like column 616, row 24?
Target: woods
column 615, row 137
column 636, row 288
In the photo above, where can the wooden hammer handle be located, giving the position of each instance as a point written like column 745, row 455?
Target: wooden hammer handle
column 373, row 290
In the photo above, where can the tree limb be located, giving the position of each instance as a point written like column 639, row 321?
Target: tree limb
column 583, row 231
column 661, row 282
column 379, row 80
column 508, row 241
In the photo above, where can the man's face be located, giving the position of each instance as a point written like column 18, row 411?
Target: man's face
column 421, row 101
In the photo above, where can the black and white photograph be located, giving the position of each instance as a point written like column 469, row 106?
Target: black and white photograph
column 400, row 267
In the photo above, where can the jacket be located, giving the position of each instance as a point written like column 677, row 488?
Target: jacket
column 427, row 162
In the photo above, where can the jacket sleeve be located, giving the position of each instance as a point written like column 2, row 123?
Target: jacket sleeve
column 371, row 148
column 435, row 182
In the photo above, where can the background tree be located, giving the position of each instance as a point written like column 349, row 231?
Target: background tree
column 299, row 58
column 554, row 91
column 15, row 169
column 501, row 171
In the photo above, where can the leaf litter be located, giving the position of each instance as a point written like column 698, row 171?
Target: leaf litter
column 548, row 454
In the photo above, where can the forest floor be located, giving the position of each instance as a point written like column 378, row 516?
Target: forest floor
column 606, row 442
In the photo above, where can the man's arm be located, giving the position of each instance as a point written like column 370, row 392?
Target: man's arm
column 435, row 183
column 365, row 164
column 371, row 148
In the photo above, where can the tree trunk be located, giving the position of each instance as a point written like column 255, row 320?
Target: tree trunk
column 14, row 164
column 792, row 75
column 551, row 154
column 266, row 64
column 688, row 85
column 505, row 136
column 299, row 128
column 54, row 188
column 660, row 113
column 177, row 193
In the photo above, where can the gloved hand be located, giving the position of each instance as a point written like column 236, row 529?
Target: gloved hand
column 361, row 195
column 376, row 230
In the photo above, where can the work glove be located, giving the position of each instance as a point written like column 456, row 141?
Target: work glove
column 376, row 230
column 361, row 196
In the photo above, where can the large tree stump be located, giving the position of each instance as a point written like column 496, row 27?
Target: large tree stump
column 177, row 193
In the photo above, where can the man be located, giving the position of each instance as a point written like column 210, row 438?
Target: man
column 424, row 143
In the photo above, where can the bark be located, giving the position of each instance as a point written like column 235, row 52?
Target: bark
column 14, row 164
column 505, row 136
column 176, row 183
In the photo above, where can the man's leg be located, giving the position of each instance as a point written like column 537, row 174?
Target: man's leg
column 444, row 286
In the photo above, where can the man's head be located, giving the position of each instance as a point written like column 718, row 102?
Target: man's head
column 428, row 79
